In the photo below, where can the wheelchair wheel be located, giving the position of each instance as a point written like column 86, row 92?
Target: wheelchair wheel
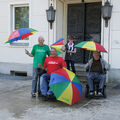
column 104, row 92
column 86, row 91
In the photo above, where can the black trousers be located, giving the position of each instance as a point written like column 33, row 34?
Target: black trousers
column 68, row 62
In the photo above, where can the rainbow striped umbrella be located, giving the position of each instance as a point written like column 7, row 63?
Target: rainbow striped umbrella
column 90, row 45
column 58, row 45
column 66, row 86
column 20, row 34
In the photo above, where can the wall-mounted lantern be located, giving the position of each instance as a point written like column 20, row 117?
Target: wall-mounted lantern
column 106, row 12
column 50, row 15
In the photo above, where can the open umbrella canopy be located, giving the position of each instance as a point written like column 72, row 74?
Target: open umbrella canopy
column 20, row 34
column 90, row 45
column 66, row 86
column 58, row 45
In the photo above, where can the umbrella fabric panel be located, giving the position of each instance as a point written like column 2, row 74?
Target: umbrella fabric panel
column 57, row 47
column 55, row 78
column 76, row 94
column 59, row 88
column 59, row 42
column 75, row 79
column 100, row 48
column 14, row 34
column 89, row 46
column 12, row 40
column 70, row 73
column 26, row 35
column 20, row 34
column 63, row 72
column 67, row 95
column 79, row 87
column 23, row 31
column 15, row 39
column 81, row 44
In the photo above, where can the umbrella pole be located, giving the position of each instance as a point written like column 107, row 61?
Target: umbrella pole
column 89, row 55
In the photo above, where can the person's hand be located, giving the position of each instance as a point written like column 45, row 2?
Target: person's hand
column 69, row 51
column 86, row 64
column 40, row 65
column 26, row 51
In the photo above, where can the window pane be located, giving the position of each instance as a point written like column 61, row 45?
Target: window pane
column 21, row 17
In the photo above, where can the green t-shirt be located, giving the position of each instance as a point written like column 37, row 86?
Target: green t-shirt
column 40, row 53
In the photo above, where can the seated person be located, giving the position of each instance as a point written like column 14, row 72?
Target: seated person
column 97, row 68
column 52, row 63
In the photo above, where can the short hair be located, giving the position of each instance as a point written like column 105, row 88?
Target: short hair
column 97, row 52
column 53, row 49
column 40, row 37
column 71, row 38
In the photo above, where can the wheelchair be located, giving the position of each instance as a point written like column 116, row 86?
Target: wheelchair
column 96, row 89
column 40, row 72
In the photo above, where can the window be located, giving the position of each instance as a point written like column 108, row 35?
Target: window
column 21, row 17
column 20, row 20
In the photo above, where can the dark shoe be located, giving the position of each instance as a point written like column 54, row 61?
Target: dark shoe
column 39, row 94
column 33, row 94
column 51, row 97
column 44, row 97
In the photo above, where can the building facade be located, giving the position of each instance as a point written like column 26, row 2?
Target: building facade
column 81, row 19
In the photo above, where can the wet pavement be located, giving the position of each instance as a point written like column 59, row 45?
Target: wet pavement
column 16, row 103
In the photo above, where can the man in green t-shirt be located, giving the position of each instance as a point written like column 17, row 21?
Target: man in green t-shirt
column 39, row 52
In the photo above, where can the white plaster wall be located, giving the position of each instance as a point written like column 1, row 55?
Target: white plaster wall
column 14, row 57
column 37, row 20
column 115, row 35
column 59, row 19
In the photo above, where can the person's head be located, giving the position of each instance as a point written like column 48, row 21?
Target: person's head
column 70, row 39
column 53, row 52
column 96, row 55
column 41, row 40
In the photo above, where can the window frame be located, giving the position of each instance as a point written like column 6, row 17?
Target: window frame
column 19, row 42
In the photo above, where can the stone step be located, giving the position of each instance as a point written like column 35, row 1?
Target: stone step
column 80, row 67
column 82, row 79
column 81, row 73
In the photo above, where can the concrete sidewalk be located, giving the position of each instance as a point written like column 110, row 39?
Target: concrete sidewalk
column 16, row 104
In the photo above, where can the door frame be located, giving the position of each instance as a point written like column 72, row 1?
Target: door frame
column 66, row 17
column 66, row 3
column 105, row 32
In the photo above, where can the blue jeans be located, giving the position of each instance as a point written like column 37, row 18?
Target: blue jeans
column 36, row 73
column 44, row 84
column 97, row 77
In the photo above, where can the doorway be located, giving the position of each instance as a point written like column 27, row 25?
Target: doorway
column 84, row 23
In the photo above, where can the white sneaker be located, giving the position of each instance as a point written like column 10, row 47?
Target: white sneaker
column 91, row 93
column 100, row 94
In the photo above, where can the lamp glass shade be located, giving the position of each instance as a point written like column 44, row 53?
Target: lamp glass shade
column 50, row 14
column 106, row 11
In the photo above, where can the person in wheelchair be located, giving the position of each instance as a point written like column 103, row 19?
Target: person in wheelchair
column 51, row 64
column 97, row 68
